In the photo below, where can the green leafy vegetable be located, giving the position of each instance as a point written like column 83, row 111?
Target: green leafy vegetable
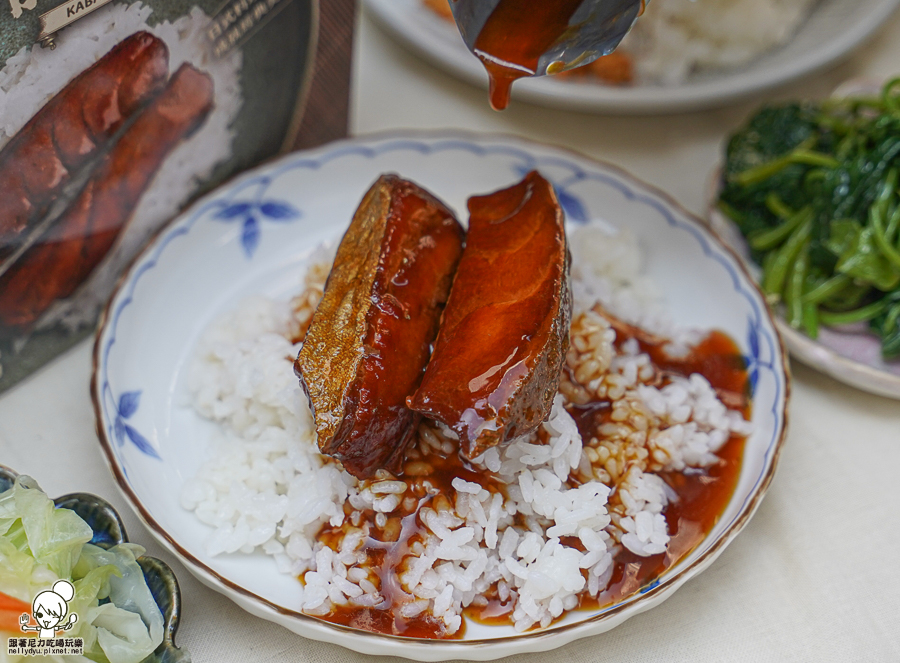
column 887, row 325
column 814, row 189
column 53, row 537
column 863, row 261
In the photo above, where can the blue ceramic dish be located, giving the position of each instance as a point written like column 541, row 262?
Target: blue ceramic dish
column 109, row 531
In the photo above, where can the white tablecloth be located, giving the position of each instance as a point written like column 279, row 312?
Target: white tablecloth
column 814, row 576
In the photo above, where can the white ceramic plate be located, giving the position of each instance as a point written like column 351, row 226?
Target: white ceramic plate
column 199, row 267
column 834, row 28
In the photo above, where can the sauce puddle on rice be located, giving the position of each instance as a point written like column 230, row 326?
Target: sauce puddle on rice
column 702, row 496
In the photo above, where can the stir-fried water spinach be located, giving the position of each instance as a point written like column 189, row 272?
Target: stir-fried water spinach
column 814, row 189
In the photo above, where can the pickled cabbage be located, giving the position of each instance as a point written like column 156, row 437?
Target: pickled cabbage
column 40, row 544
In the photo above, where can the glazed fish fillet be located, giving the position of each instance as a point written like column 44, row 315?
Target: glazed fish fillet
column 498, row 357
column 87, row 229
column 73, row 127
column 371, row 334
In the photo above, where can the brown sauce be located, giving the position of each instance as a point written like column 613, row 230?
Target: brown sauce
column 703, row 495
column 384, row 621
column 385, row 554
column 716, row 357
column 512, row 41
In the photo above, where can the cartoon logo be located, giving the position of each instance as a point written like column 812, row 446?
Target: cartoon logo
column 49, row 609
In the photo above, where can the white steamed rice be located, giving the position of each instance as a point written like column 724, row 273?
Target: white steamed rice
column 675, row 38
column 265, row 487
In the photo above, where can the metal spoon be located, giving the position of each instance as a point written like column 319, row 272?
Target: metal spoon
column 595, row 28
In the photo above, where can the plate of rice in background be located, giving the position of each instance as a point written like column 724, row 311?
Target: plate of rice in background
column 681, row 54
column 661, row 441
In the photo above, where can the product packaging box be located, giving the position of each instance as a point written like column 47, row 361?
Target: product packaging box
column 116, row 114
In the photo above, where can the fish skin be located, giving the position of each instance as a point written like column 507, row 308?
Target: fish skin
column 371, row 335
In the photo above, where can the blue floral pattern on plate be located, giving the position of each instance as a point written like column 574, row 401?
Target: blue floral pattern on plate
column 126, row 407
column 231, row 203
column 753, row 360
column 572, row 205
column 249, row 213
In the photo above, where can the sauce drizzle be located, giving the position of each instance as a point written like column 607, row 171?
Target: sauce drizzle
column 702, row 496
column 512, row 41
